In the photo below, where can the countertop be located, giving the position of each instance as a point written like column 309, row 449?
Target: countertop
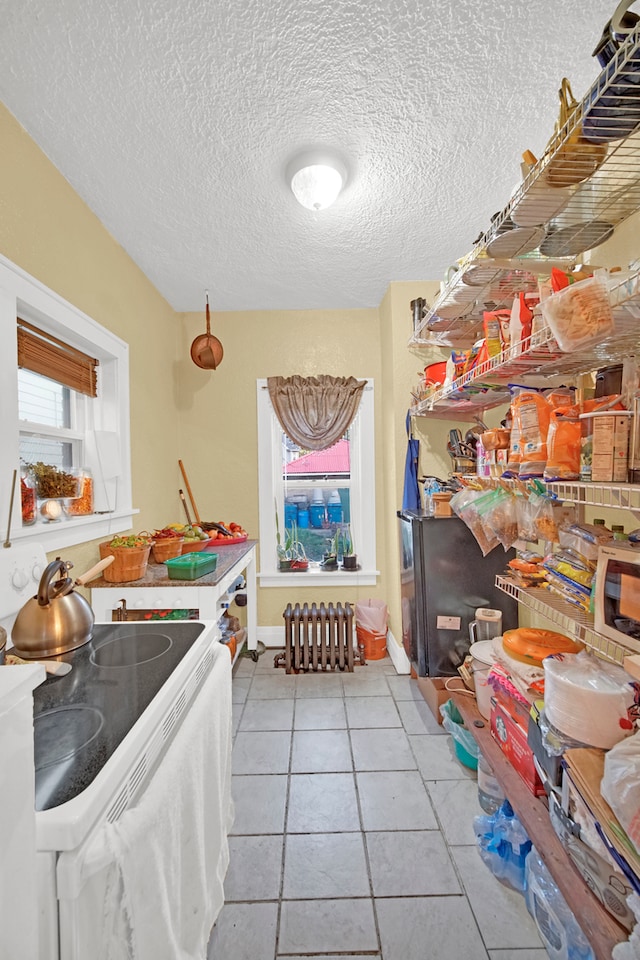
column 157, row 576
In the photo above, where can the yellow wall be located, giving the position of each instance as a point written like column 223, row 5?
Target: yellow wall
column 219, row 441
column 46, row 229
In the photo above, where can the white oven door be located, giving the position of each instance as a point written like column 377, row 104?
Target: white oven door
column 148, row 885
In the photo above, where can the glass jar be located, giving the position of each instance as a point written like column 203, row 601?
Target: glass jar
column 82, row 505
column 28, row 498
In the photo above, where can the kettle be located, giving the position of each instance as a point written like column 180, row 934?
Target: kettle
column 58, row 619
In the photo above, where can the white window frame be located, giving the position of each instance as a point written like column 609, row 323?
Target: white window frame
column 22, row 295
column 362, row 498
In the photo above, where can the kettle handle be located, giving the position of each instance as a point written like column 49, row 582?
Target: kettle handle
column 94, row 571
column 46, row 592
column 473, row 631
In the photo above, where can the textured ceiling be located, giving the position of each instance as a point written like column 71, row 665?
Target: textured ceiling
column 174, row 121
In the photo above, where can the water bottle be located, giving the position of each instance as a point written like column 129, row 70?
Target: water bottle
column 490, row 793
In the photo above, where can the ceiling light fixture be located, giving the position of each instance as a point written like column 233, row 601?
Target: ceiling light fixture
column 316, row 178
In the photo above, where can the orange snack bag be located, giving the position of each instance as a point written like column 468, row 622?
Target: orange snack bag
column 563, row 444
column 532, row 411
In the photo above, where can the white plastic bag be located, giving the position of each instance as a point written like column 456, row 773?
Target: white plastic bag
column 621, row 785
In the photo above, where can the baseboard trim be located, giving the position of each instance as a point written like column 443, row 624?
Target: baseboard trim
column 272, row 637
column 397, row 654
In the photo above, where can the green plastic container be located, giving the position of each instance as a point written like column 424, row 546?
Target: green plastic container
column 190, row 566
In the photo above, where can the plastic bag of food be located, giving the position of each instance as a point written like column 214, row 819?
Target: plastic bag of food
column 564, row 442
column 533, row 413
column 584, row 538
column 498, row 516
column 525, row 515
column 464, row 504
column 580, row 314
column 620, row 785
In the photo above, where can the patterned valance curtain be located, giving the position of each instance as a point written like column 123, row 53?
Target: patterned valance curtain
column 315, row 411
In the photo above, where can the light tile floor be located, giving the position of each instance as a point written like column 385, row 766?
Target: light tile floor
column 353, row 828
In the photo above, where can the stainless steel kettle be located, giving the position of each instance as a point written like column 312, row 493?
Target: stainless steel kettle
column 58, row 619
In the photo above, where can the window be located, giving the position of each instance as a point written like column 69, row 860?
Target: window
column 77, row 417
column 321, row 492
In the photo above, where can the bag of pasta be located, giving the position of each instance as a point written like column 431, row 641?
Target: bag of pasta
column 465, row 505
column 580, row 314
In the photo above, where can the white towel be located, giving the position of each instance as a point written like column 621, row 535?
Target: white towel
column 170, row 849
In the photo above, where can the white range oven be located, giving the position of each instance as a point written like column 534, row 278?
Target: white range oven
column 133, row 740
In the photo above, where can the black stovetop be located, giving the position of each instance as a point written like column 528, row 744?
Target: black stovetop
column 81, row 718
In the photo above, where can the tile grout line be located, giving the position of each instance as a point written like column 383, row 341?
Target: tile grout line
column 362, row 833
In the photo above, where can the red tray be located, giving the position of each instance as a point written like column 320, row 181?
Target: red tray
column 226, row 541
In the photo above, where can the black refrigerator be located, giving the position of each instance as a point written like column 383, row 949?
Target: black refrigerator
column 444, row 578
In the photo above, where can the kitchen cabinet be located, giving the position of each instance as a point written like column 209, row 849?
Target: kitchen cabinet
column 207, row 596
column 548, row 221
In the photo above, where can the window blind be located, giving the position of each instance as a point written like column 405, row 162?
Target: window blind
column 43, row 353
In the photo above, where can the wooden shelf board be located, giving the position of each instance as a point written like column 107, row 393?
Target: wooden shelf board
column 598, row 926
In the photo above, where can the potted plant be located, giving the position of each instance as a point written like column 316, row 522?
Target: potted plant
column 349, row 556
column 291, row 554
column 299, row 559
column 283, row 549
column 330, row 558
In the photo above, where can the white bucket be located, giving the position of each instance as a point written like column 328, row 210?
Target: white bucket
column 482, row 660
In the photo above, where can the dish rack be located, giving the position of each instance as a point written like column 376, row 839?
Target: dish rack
column 563, row 220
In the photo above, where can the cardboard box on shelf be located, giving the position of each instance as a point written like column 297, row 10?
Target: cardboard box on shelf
column 512, row 740
column 434, row 692
column 601, row 876
column 610, row 447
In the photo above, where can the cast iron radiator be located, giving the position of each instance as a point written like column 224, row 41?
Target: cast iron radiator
column 319, row 637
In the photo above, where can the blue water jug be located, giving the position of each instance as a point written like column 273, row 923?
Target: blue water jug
column 290, row 514
column 303, row 516
column 334, row 512
column 316, row 515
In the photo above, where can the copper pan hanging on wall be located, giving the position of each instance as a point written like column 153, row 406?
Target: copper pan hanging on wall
column 206, row 350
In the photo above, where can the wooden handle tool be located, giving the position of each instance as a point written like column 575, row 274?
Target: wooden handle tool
column 188, row 486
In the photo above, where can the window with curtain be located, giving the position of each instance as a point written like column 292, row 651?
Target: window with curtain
column 65, row 402
column 321, row 488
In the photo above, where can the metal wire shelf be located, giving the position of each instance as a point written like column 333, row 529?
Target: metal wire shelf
column 572, row 621
column 570, row 201
column 540, row 356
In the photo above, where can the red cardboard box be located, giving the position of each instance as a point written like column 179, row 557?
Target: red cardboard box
column 501, row 690
column 512, row 740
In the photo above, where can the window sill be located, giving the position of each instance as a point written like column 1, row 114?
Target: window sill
column 69, row 533
column 320, row 578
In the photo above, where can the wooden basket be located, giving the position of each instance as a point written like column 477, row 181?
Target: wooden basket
column 130, row 562
column 166, row 549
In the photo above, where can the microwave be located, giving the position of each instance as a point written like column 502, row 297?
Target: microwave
column 617, row 595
